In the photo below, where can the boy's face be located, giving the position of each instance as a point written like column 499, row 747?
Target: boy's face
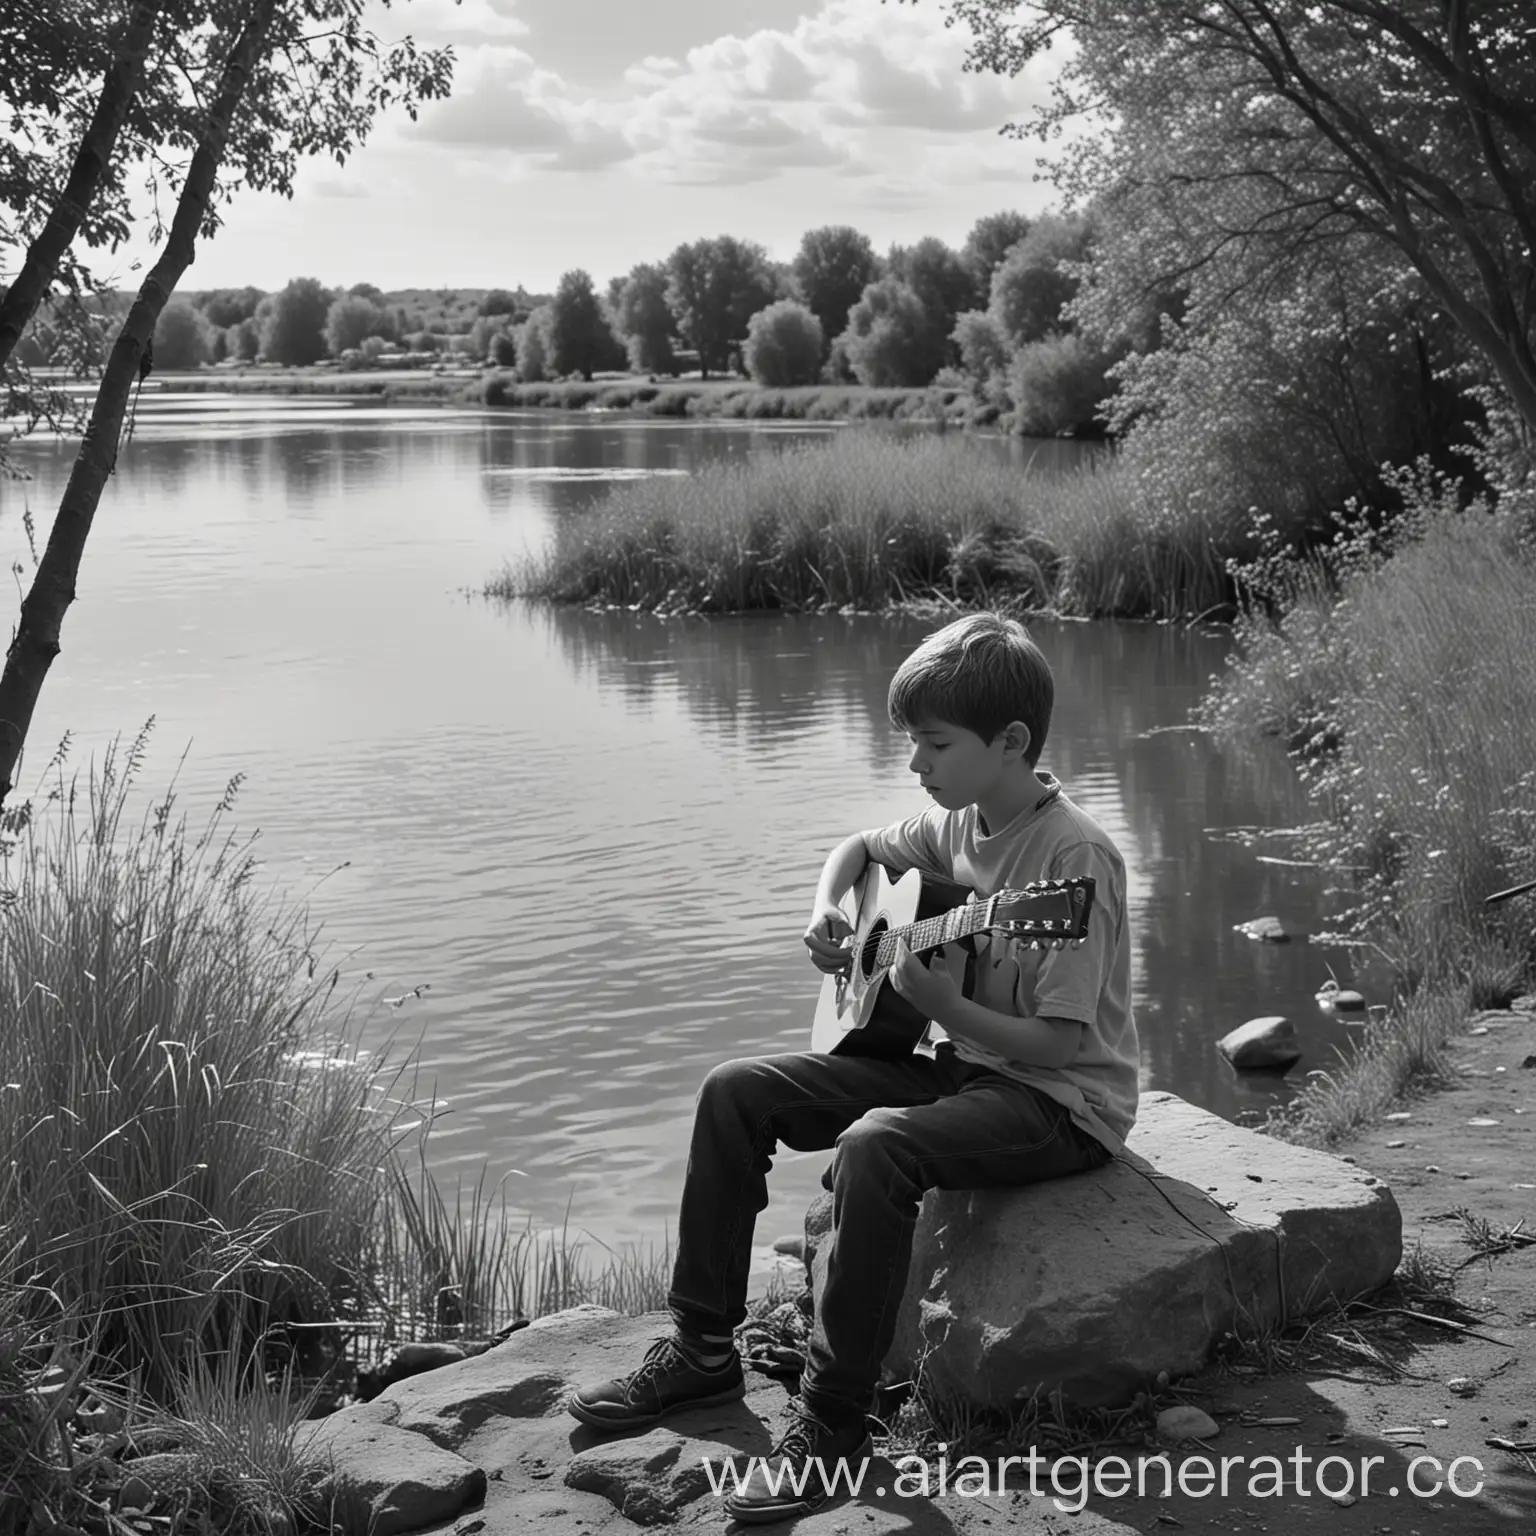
column 957, row 767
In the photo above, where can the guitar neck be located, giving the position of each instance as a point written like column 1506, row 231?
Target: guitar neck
column 932, row 932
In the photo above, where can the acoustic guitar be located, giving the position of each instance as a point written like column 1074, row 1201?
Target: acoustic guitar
column 860, row 1014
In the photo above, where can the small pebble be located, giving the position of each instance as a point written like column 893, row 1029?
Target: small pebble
column 1400, row 1114
column 1482, row 1120
column 1186, row 1422
column 1397, row 1143
column 1431, row 1167
column 1439, row 1423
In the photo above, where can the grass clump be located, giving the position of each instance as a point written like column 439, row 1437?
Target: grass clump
column 867, row 522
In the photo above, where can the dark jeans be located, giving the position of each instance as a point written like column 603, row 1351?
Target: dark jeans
column 900, row 1128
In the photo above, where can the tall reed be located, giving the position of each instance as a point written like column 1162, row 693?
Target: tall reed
column 174, row 1163
column 867, row 521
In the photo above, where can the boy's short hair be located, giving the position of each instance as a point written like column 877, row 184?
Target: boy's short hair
column 979, row 672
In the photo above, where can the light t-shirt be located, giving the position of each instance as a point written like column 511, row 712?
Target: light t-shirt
column 1050, row 840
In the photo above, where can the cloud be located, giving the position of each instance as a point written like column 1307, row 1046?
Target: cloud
column 833, row 91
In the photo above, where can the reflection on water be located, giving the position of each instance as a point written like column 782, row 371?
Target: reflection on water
column 591, row 838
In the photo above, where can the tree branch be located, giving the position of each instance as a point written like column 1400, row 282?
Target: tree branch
column 85, row 177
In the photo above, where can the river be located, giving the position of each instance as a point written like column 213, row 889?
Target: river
column 576, row 850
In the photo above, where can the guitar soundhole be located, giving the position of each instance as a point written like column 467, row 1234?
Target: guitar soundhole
column 871, row 948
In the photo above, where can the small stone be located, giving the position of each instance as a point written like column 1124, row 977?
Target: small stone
column 1481, row 1029
column 1261, row 1044
column 1482, row 1120
column 1400, row 1114
column 1186, row 1422
column 1347, row 1158
column 1269, row 929
column 1528, row 1063
column 1439, row 1423
column 1397, row 1143
column 1462, row 1386
column 1431, row 1167
column 1344, row 1499
column 1278, row 1421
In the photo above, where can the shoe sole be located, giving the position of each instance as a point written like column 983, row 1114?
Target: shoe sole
column 766, row 1514
column 588, row 1416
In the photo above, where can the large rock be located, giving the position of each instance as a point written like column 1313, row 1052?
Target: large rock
column 493, row 1430
column 382, row 1479
column 1097, row 1282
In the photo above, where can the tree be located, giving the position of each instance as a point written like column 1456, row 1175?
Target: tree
column 892, row 339
column 271, row 82
column 225, row 307
column 784, row 345
column 1037, row 279
column 981, row 344
column 183, row 338
column 714, row 287
column 990, row 239
column 245, row 340
column 1253, row 137
column 351, row 319
column 938, row 277
column 499, row 302
column 579, row 337
column 532, row 340
column 831, row 269
column 293, row 330
column 644, row 319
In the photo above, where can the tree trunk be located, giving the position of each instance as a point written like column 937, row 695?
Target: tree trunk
column 36, row 641
column 118, row 89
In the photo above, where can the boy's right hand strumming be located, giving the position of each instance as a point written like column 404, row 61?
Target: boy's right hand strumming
column 825, row 936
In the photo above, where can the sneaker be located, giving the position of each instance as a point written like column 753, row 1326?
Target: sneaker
column 669, row 1380
column 811, row 1461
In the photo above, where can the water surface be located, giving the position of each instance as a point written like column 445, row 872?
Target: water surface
column 590, row 840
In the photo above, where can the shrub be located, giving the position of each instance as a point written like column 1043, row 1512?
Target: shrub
column 1057, row 385
column 183, row 337
column 891, row 338
column 784, row 345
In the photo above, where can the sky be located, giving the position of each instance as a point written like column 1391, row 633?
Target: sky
column 603, row 133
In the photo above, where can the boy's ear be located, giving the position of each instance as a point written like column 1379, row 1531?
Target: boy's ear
column 1016, row 737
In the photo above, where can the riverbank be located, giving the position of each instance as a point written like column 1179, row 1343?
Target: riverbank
column 730, row 398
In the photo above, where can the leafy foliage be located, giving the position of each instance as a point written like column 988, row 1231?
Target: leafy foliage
column 579, row 337
column 644, row 319
column 892, row 336
column 183, row 338
column 714, row 287
column 832, row 267
column 1255, row 140
column 293, row 323
column 784, row 345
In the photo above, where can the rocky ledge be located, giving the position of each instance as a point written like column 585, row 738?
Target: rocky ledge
column 1091, row 1284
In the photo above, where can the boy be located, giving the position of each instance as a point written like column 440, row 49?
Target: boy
column 1031, row 1077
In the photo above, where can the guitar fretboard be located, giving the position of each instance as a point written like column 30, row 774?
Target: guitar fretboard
column 930, row 933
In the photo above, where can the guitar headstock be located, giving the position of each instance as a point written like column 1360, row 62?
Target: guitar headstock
column 1045, row 914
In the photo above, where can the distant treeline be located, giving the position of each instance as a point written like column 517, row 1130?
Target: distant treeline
column 990, row 317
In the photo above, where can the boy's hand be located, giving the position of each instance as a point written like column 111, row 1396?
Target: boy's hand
column 932, row 990
column 824, row 938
